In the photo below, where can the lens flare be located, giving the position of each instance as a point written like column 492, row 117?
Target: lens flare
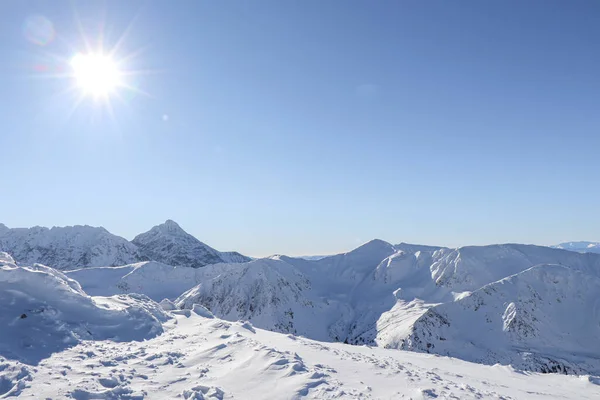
column 39, row 30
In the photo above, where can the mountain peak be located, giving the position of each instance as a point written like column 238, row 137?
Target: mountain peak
column 170, row 244
column 374, row 245
column 170, row 226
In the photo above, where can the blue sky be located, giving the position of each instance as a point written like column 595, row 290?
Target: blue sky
column 308, row 127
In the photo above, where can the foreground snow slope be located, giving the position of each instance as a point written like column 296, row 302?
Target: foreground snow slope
column 42, row 312
column 208, row 358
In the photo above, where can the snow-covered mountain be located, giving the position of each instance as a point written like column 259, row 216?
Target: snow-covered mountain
column 546, row 318
column 57, row 342
column 379, row 294
column 68, row 247
column 78, row 246
column 60, row 342
column 580, row 247
column 169, row 244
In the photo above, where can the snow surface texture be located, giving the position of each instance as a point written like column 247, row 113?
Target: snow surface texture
column 580, row 247
column 42, row 312
column 86, row 246
column 200, row 357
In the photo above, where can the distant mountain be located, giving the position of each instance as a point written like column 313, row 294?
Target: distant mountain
column 169, row 244
column 580, row 247
column 73, row 247
column 68, row 247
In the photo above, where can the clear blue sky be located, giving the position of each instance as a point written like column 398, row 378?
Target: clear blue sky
column 307, row 127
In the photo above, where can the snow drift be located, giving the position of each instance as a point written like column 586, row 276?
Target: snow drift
column 42, row 311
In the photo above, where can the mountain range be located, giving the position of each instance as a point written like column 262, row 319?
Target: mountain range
column 58, row 341
column 84, row 246
column 532, row 307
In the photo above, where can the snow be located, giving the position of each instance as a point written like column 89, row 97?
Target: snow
column 580, row 247
column 208, row 358
column 42, row 311
column 380, row 295
column 156, row 280
column 127, row 346
column 170, row 244
column 65, row 247
column 544, row 319
column 72, row 247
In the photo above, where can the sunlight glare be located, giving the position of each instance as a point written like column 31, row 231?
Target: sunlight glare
column 96, row 74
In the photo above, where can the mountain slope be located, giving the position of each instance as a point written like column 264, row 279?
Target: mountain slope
column 546, row 318
column 156, row 280
column 379, row 295
column 169, row 244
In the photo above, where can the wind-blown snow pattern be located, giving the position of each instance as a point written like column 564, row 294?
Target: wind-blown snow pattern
column 580, row 247
column 78, row 246
column 169, row 244
column 42, row 311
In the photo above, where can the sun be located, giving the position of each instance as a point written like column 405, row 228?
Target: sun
column 97, row 75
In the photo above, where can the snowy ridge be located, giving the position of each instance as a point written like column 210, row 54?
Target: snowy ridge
column 65, row 247
column 42, row 311
column 580, row 247
column 78, row 246
column 377, row 294
column 271, row 293
column 156, row 280
column 543, row 319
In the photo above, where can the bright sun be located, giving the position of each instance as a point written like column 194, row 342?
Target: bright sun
column 96, row 74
